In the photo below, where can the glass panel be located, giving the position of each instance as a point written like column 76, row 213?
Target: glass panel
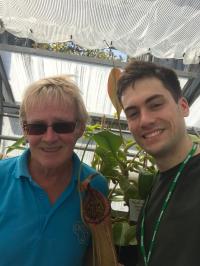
column 193, row 120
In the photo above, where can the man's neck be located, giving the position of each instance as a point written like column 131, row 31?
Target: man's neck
column 175, row 156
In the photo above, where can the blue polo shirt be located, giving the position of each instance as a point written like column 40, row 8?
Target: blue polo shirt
column 33, row 232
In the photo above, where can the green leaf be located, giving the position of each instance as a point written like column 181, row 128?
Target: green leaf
column 108, row 140
column 131, row 193
column 195, row 138
column 106, row 156
column 123, row 234
column 130, row 236
column 145, row 182
column 20, row 144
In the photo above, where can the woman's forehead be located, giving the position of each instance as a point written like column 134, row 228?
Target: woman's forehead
column 50, row 105
column 51, row 113
column 49, row 101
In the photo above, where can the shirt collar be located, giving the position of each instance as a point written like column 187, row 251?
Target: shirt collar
column 23, row 171
column 22, row 165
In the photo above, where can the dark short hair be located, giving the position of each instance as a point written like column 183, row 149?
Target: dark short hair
column 136, row 70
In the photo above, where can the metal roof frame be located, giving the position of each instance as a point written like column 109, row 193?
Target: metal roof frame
column 8, row 106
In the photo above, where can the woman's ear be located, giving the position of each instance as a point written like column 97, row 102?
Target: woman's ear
column 25, row 136
column 80, row 130
column 24, row 131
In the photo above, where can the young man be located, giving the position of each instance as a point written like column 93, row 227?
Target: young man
column 169, row 223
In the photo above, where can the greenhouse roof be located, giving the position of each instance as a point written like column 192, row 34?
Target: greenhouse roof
column 166, row 28
column 21, row 66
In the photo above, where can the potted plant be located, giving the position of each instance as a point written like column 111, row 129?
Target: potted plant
column 130, row 173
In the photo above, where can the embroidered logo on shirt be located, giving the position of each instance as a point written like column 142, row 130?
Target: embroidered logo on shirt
column 81, row 232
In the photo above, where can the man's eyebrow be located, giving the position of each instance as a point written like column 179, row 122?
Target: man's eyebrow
column 132, row 107
column 151, row 98
column 154, row 97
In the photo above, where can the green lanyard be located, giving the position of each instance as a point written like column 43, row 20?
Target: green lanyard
column 164, row 206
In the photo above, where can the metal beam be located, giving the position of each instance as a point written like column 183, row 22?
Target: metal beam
column 59, row 55
column 6, row 82
column 1, row 105
column 192, row 90
column 77, row 58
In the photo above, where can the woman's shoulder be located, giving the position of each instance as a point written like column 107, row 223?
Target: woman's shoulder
column 8, row 165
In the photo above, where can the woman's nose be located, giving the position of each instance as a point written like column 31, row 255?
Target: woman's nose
column 50, row 134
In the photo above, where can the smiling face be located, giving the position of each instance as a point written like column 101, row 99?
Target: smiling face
column 51, row 149
column 154, row 118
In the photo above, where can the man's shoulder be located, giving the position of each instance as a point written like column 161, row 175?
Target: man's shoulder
column 194, row 163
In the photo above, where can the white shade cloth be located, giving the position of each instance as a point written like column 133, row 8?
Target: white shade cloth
column 166, row 28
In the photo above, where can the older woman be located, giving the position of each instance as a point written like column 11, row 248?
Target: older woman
column 40, row 216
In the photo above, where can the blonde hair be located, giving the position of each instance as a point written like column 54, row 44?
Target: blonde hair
column 60, row 89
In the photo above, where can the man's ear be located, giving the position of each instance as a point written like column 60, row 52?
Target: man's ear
column 184, row 106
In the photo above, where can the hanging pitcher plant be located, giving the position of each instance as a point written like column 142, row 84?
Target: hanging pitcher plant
column 128, row 169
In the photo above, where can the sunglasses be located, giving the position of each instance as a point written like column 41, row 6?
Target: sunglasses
column 41, row 128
